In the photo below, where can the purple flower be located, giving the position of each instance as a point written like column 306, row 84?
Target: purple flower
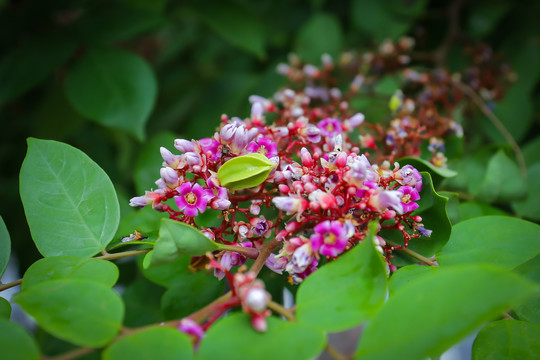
column 313, row 133
column 192, row 199
column 259, row 226
column 408, row 198
column 212, row 146
column 169, row 177
column 190, row 327
column 329, row 127
column 387, row 199
column 329, row 238
column 275, row 264
column 263, row 146
column 409, row 176
column 230, row 259
column 423, row 230
column 184, row 145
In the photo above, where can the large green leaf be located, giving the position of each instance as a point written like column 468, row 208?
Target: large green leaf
column 408, row 274
column 177, row 239
column 31, row 63
column 425, row 317
column 358, row 288
column 165, row 274
column 142, row 300
column 233, row 337
column 321, row 34
column 236, row 25
column 70, row 267
column 16, row 344
column 472, row 209
column 179, row 300
column 69, row 201
column 500, row 240
column 5, row 246
column 83, row 312
column 507, row 339
column 115, row 88
column 154, row 343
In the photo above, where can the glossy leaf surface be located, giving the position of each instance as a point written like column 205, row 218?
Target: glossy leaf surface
column 5, row 246
column 69, row 201
column 438, row 309
column 358, row 288
column 233, row 337
column 16, row 343
column 83, row 312
column 245, row 171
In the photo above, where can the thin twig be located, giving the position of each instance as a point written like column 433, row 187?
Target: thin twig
column 248, row 252
column 414, row 254
column 264, row 253
column 467, row 90
column 123, row 254
column 278, row 308
column 74, row 354
column 10, row 285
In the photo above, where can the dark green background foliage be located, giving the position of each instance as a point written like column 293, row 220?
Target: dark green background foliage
column 117, row 79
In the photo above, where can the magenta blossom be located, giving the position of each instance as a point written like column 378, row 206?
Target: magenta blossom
column 263, row 146
column 329, row 127
column 329, row 238
column 408, row 198
column 192, row 329
column 212, row 146
column 192, row 199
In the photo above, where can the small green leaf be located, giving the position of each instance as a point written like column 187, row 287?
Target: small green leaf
column 502, row 181
column 114, row 88
column 83, row 312
column 70, row 267
column 5, row 246
column 16, row 343
column 528, row 207
column 245, row 171
column 438, row 309
column 507, row 339
column 162, row 343
column 358, row 281
column 492, row 239
column 177, row 239
column 321, row 34
column 5, row 309
column 69, row 201
column 179, row 300
column 233, row 337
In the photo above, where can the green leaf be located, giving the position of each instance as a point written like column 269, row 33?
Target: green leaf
column 5, row 309
column 239, row 27
column 31, row 63
column 378, row 20
column 166, row 274
column 149, row 161
column 528, row 207
column 245, row 171
column 502, row 181
column 142, row 300
column 452, row 206
column 83, row 312
column 321, row 34
column 5, row 246
column 233, row 337
column 484, row 16
column 69, row 201
column 472, row 209
column 530, row 152
column 358, row 281
column 438, row 309
column 530, row 310
column 177, row 239
column 190, row 292
column 114, row 88
column 70, row 267
column 507, row 339
column 16, row 343
column 408, row 274
column 492, row 239
column 432, row 209
column 162, row 343
column 436, row 173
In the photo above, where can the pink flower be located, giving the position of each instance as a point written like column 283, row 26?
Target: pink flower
column 329, row 238
column 329, row 127
column 409, row 176
column 263, row 146
column 408, row 198
column 212, row 146
column 192, row 199
column 191, row 328
column 230, row 259
column 217, row 195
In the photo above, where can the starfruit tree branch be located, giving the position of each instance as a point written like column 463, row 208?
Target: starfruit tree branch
column 412, row 253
